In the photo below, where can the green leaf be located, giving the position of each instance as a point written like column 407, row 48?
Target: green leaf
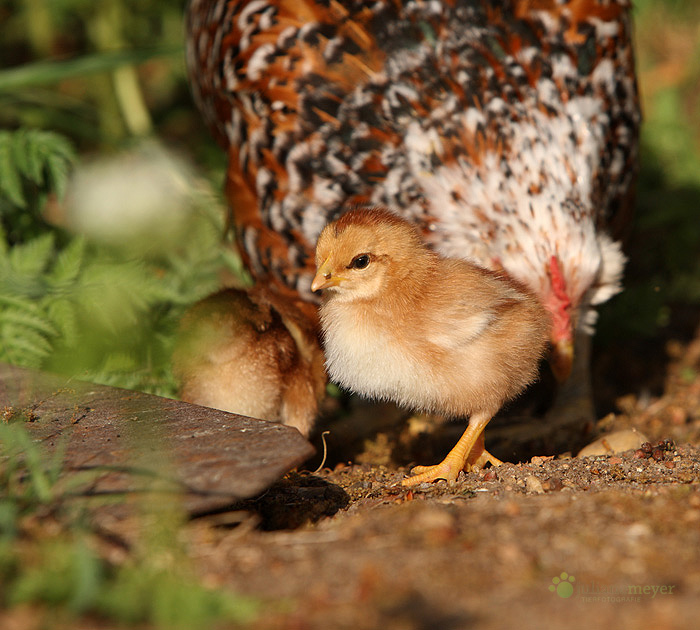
column 41, row 158
column 58, row 164
column 9, row 300
column 117, row 295
column 34, row 153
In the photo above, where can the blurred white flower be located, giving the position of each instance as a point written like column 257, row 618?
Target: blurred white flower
column 143, row 194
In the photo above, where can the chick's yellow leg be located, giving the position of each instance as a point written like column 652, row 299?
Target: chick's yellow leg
column 479, row 456
column 469, row 450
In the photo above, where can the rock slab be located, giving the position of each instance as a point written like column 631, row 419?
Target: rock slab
column 135, row 442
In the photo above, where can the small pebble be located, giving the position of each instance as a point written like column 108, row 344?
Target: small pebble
column 533, row 484
column 553, row 483
column 615, row 442
column 490, row 475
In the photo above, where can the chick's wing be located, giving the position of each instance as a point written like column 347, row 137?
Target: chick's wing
column 468, row 305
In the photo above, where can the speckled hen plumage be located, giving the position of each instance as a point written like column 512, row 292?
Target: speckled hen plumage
column 505, row 130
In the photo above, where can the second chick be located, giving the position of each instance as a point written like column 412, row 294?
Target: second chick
column 252, row 352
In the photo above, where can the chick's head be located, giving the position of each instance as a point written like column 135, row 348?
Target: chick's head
column 364, row 252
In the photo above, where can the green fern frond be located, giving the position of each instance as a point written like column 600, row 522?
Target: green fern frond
column 33, row 257
column 23, row 345
column 62, row 313
column 69, row 263
column 27, row 156
column 28, row 318
column 41, row 157
column 58, row 166
column 10, row 176
column 106, row 312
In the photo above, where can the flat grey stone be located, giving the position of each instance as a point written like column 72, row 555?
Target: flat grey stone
column 141, row 442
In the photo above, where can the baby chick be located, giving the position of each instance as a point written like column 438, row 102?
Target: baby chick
column 437, row 335
column 251, row 352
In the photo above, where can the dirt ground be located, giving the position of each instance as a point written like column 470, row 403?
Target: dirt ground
column 570, row 542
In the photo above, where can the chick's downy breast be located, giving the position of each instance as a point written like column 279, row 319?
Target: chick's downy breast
column 366, row 355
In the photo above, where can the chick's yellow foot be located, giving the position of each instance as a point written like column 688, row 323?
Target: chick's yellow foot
column 469, row 451
column 482, row 460
column 447, row 469
column 478, row 456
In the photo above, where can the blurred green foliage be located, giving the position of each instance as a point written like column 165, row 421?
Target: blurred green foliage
column 97, row 79
column 93, row 103
column 49, row 557
column 106, row 311
column 72, row 58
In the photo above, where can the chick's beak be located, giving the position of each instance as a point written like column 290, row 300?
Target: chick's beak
column 562, row 358
column 324, row 278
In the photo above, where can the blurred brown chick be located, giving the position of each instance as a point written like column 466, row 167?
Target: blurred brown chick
column 254, row 353
column 434, row 334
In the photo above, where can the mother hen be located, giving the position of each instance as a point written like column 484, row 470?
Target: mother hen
column 506, row 131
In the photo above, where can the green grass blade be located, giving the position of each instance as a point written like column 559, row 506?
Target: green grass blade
column 48, row 72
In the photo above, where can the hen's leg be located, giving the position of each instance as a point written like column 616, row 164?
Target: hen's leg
column 570, row 417
column 573, row 406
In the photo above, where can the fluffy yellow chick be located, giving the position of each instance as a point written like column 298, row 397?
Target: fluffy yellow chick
column 434, row 334
column 254, row 353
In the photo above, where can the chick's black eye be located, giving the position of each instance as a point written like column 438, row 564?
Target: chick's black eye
column 359, row 262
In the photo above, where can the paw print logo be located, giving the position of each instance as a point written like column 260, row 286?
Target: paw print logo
column 562, row 585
